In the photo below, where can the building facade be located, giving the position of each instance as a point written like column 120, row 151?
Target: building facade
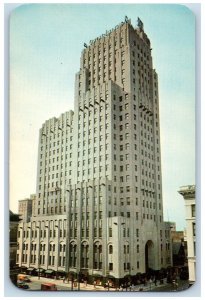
column 26, row 207
column 188, row 193
column 99, row 206
column 13, row 228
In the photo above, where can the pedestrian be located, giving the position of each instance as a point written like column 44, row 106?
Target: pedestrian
column 94, row 283
column 155, row 281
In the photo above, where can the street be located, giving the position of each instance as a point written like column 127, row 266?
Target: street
column 35, row 285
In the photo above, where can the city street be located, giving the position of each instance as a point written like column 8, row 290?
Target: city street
column 35, row 284
column 183, row 285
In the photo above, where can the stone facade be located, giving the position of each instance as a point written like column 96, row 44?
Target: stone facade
column 99, row 169
column 188, row 192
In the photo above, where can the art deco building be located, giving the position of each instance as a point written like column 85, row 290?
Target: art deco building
column 99, row 203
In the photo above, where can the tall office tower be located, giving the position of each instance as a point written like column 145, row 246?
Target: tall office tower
column 115, row 213
column 98, row 206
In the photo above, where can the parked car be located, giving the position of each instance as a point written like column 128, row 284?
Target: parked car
column 22, row 285
column 48, row 287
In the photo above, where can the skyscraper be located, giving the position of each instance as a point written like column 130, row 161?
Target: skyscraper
column 109, row 212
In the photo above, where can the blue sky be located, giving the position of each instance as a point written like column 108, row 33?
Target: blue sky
column 45, row 45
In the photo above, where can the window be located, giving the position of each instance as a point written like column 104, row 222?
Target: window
column 193, row 211
column 110, row 249
column 127, row 146
column 127, row 178
column 110, row 232
column 110, row 266
column 194, row 229
column 127, row 188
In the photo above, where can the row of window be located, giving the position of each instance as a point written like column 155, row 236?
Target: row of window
column 55, row 159
column 52, row 210
column 52, row 247
column 55, row 175
column 51, row 136
column 43, row 234
column 57, row 143
column 73, row 253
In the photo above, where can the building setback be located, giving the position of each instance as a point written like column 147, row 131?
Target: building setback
column 99, row 203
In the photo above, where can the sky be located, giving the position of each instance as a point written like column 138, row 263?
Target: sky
column 45, row 46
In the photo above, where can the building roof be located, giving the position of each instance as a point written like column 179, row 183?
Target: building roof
column 14, row 217
column 187, row 191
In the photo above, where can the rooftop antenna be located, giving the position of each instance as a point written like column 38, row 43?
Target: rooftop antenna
column 140, row 24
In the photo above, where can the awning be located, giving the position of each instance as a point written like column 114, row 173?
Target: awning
column 40, row 270
column 30, row 269
column 49, row 271
column 62, row 272
column 97, row 275
column 110, row 276
column 72, row 273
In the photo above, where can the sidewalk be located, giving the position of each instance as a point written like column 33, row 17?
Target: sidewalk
column 90, row 287
column 59, row 282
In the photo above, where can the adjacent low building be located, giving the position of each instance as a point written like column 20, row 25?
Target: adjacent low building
column 13, row 229
column 25, row 208
column 188, row 192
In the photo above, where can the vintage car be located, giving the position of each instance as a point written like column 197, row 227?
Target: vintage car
column 48, row 287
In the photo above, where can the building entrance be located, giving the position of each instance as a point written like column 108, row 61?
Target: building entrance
column 149, row 255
